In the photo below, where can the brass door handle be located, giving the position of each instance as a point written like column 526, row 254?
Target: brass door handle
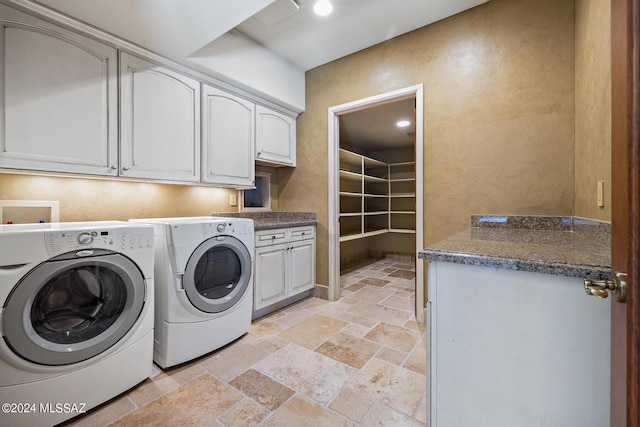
column 596, row 291
column 601, row 288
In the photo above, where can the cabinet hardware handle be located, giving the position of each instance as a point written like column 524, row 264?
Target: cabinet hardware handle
column 114, row 167
column 125, row 168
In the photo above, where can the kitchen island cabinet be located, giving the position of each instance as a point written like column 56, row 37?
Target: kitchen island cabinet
column 59, row 100
column 513, row 339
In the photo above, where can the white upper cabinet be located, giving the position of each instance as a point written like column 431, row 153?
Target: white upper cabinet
column 59, row 101
column 160, row 122
column 275, row 138
column 228, row 134
column 70, row 103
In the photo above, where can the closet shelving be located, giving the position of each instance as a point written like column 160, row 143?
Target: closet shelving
column 375, row 197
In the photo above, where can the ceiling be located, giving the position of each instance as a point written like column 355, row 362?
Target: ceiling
column 187, row 29
column 374, row 129
column 179, row 28
column 309, row 40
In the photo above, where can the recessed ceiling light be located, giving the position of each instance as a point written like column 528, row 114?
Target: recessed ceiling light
column 323, row 7
column 403, row 123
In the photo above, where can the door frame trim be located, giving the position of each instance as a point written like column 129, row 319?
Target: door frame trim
column 625, row 210
column 334, row 183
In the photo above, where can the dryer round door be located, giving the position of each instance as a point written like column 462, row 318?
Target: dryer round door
column 72, row 308
column 217, row 274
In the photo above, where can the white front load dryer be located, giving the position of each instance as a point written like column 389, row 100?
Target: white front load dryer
column 204, row 285
column 76, row 317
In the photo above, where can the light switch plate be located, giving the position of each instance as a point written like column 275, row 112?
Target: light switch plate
column 601, row 194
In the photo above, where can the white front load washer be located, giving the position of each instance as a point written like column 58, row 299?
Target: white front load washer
column 76, row 317
column 204, row 285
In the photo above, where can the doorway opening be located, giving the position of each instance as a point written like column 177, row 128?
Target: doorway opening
column 375, row 186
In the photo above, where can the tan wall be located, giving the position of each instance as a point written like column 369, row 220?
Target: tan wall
column 498, row 115
column 593, row 107
column 93, row 199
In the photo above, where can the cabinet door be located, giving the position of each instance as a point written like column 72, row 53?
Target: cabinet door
column 275, row 137
column 59, row 100
column 302, row 259
column 160, row 119
column 228, row 132
column 270, row 277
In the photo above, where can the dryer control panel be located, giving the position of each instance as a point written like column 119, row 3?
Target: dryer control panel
column 188, row 235
column 231, row 227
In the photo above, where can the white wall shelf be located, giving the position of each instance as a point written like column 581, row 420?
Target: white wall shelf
column 375, row 197
column 29, row 211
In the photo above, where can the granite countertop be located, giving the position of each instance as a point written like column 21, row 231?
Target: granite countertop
column 564, row 246
column 271, row 220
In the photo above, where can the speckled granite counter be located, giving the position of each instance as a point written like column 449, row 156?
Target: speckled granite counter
column 271, row 220
column 564, row 246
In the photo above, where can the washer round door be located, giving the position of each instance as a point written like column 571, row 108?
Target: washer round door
column 72, row 308
column 217, row 274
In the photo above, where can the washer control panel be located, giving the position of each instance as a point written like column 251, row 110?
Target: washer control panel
column 124, row 239
column 131, row 240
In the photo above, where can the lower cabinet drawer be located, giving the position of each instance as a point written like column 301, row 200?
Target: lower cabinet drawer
column 270, row 237
column 301, row 233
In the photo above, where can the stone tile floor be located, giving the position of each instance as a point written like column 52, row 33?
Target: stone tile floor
column 359, row 361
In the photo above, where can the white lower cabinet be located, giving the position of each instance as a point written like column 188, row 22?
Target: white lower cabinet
column 515, row 348
column 284, row 266
column 271, row 275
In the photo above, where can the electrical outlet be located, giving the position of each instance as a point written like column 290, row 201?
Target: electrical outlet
column 600, row 194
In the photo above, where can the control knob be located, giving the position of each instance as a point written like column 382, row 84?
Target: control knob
column 221, row 227
column 85, row 238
